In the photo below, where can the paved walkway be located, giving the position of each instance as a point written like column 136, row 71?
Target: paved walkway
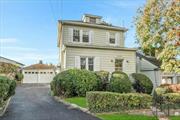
column 33, row 102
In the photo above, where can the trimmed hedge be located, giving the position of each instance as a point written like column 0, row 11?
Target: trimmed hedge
column 103, row 77
column 142, row 83
column 74, row 82
column 114, row 102
column 7, row 88
column 164, row 95
column 171, row 98
column 120, row 83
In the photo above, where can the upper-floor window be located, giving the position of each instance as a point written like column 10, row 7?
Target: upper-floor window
column 118, row 64
column 76, row 35
column 87, row 63
column 85, row 36
column 92, row 20
column 112, row 38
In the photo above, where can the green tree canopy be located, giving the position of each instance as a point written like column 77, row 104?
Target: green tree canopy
column 158, row 32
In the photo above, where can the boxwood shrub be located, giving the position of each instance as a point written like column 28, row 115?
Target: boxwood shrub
column 103, row 77
column 115, row 102
column 74, row 82
column 120, row 83
column 142, row 83
column 7, row 88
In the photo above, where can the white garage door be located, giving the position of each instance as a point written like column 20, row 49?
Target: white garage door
column 38, row 77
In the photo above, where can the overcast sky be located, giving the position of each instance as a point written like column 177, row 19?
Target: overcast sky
column 28, row 28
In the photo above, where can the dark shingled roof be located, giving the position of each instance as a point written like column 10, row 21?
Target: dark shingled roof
column 151, row 59
column 39, row 66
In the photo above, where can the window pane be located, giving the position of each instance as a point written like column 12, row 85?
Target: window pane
column 91, row 68
column 112, row 38
column 76, row 35
column 91, row 64
column 83, row 63
column 85, row 36
column 118, row 64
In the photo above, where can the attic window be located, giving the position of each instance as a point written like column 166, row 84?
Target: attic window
column 92, row 20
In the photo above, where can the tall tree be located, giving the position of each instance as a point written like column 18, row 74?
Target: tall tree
column 158, row 32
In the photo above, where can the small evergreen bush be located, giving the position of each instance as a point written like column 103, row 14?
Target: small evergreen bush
column 120, row 83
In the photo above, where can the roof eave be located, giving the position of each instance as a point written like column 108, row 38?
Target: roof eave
column 93, row 25
column 101, row 47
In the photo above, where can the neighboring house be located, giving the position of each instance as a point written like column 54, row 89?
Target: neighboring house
column 38, row 73
column 6, row 60
column 94, row 45
column 150, row 66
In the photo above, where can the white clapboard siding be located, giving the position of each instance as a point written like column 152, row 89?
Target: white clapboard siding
column 117, row 39
column 96, row 63
column 71, row 35
column 107, row 38
column 106, row 58
column 77, row 62
column 100, row 35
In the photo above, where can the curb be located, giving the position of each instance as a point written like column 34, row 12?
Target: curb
column 74, row 106
column 5, row 107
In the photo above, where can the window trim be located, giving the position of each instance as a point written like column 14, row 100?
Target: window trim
column 86, row 35
column 122, row 60
column 87, row 62
column 79, row 35
column 110, row 38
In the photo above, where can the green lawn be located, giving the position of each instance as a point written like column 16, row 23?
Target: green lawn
column 175, row 118
column 80, row 101
column 124, row 117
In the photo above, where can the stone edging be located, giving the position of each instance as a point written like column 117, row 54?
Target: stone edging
column 73, row 106
column 5, row 107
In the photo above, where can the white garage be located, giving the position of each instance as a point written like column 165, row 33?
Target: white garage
column 38, row 73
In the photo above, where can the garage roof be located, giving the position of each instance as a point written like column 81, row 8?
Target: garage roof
column 39, row 66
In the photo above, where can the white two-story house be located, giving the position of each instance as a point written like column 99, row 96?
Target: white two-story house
column 94, row 45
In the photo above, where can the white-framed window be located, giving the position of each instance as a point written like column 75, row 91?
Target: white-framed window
column 91, row 63
column 85, row 36
column 92, row 20
column 76, row 35
column 87, row 63
column 118, row 64
column 83, row 62
column 112, row 39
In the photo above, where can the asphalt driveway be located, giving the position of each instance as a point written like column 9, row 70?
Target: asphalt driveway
column 33, row 102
